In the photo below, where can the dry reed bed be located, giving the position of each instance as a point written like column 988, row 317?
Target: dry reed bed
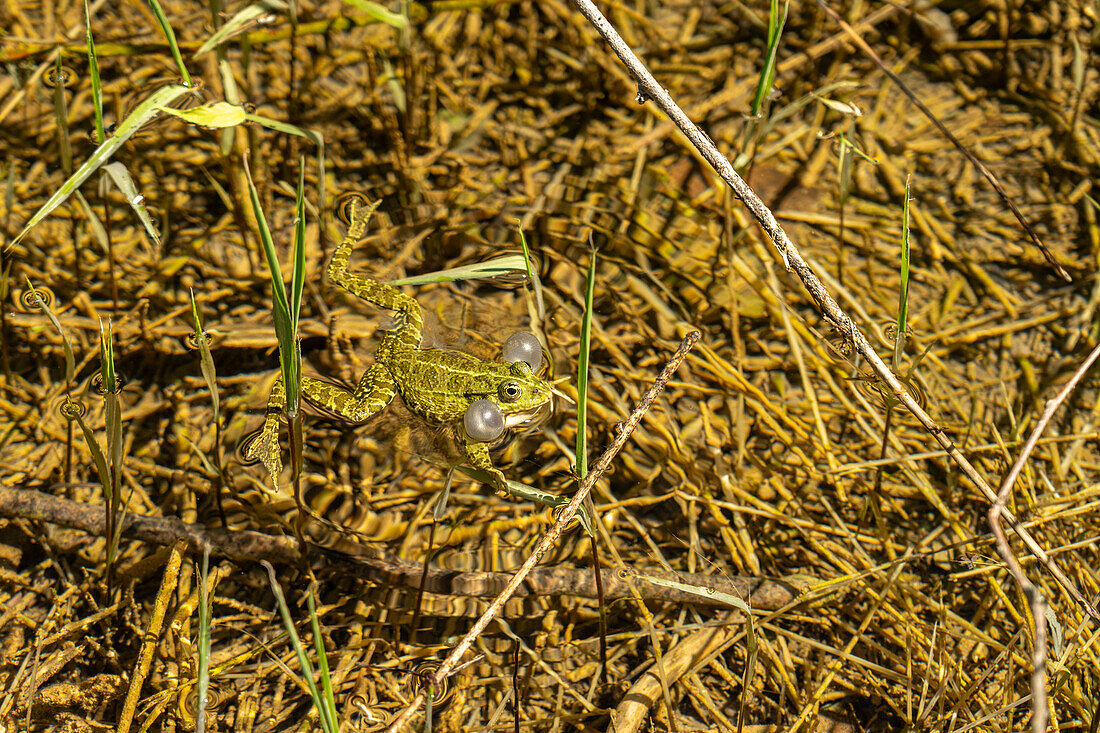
column 767, row 455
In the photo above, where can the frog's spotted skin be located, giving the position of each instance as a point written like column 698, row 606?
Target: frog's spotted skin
column 436, row 384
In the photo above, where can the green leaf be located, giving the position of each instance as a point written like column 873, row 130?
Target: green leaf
column 214, row 115
column 776, row 21
column 379, row 13
column 298, row 274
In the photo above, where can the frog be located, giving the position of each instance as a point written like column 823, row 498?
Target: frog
column 443, row 387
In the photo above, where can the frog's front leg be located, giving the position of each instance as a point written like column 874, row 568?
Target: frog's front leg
column 375, row 390
column 477, row 455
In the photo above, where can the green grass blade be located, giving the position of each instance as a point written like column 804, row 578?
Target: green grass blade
column 532, row 277
column 329, row 706
column 144, row 112
column 298, row 274
column 776, row 20
column 98, row 458
column 903, row 296
column 233, row 96
column 506, row 265
column 292, row 633
column 170, row 35
column 379, row 13
column 93, row 71
column 285, row 326
column 582, row 371
column 239, row 22
column 202, row 686
column 125, row 183
column 113, row 419
column 67, row 347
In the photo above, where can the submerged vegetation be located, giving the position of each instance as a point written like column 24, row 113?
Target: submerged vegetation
column 795, row 535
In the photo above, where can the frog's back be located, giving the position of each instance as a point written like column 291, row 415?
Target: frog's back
column 439, row 384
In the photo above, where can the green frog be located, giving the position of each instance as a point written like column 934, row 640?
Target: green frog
column 440, row 385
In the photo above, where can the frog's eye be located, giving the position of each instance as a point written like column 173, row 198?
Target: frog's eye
column 509, row 392
column 483, row 421
column 523, row 347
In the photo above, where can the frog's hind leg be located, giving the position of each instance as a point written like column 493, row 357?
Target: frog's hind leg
column 265, row 446
column 408, row 322
column 375, row 390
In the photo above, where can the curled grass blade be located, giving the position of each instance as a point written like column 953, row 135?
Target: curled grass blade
column 125, row 183
column 61, row 115
column 66, row 346
column 239, row 22
column 113, row 419
column 170, row 35
column 206, row 361
column 144, row 112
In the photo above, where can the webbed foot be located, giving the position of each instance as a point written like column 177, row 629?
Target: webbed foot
column 265, row 448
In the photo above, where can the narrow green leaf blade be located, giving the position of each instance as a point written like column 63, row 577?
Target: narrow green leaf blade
column 144, row 112
column 93, row 71
column 239, row 22
column 170, row 35
column 125, row 183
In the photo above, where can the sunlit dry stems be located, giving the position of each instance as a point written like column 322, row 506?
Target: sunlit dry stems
column 649, row 89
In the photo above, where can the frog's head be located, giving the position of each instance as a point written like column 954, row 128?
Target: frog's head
column 520, row 393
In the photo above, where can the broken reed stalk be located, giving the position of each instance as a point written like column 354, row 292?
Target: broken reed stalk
column 649, row 89
column 1041, row 712
column 564, row 518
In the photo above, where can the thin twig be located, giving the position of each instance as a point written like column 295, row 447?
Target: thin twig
column 552, row 534
column 648, row 88
column 1041, row 712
